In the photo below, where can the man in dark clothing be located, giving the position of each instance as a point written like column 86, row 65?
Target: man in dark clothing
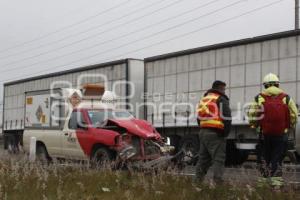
column 214, row 119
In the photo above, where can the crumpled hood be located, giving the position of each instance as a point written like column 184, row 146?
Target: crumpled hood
column 272, row 91
column 138, row 127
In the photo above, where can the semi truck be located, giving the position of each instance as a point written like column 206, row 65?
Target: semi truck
column 182, row 77
column 165, row 90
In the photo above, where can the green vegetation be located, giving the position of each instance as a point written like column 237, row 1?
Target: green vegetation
column 24, row 180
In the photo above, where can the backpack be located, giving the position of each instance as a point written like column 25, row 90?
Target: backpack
column 276, row 115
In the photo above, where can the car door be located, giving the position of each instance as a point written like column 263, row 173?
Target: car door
column 74, row 131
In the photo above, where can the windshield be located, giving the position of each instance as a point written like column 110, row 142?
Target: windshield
column 98, row 117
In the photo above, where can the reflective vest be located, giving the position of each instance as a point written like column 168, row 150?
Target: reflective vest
column 209, row 112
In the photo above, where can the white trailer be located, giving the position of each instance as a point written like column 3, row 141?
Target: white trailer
column 183, row 77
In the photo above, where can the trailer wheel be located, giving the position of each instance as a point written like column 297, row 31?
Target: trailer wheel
column 292, row 157
column 234, row 156
column 297, row 157
column 175, row 141
column 42, row 154
column 101, row 157
column 11, row 143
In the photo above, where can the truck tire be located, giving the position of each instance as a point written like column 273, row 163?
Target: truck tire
column 11, row 143
column 42, row 154
column 102, row 157
column 234, row 156
column 292, row 157
column 297, row 157
column 190, row 147
column 175, row 142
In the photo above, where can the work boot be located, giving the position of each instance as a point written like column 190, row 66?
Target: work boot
column 277, row 182
column 262, row 182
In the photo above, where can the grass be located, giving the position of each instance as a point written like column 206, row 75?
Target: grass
column 20, row 179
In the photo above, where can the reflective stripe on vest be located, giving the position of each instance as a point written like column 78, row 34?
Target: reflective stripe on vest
column 209, row 112
column 211, row 124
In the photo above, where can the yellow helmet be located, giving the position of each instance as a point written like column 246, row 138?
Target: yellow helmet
column 271, row 78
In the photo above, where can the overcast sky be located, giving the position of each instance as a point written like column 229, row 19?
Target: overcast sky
column 41, row 36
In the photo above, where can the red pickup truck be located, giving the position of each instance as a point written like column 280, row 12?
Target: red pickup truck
column 92, row 131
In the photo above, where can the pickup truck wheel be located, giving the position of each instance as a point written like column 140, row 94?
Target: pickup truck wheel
column 101, row 157
column 42, row 154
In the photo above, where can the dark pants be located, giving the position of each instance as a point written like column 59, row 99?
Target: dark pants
column 274, row 148
column 212, row 154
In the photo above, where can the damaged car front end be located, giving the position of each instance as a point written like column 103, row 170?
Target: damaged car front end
column 137, row 140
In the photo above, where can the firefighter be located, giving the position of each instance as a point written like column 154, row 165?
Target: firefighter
column 273, row 114
column 214, row 118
